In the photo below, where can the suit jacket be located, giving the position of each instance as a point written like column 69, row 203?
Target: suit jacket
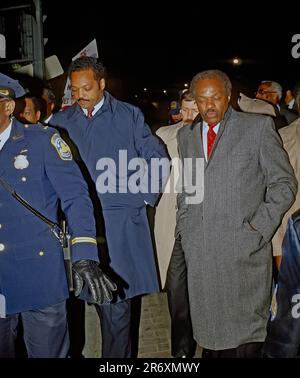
column 248, row 179
column 39, row 166
column 289, row 115
column 291, row 142
column 120, row 127
column 165, row 215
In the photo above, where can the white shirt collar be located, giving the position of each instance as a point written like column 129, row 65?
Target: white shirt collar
column 96, row 107
column 4, row 136
column 48, row 119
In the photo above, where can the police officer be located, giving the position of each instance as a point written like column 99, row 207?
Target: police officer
column 38, row 164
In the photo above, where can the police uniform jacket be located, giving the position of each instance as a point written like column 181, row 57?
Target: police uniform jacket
column 37, row 163
column 118, row 126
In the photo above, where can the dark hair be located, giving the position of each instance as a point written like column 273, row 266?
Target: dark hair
column 50, row 94
column 186, row 96
column 88, row 63
column 38, row 103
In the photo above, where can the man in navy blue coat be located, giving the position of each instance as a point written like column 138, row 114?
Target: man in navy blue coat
column 38, row 165
column 118, row 150
column 283, row 331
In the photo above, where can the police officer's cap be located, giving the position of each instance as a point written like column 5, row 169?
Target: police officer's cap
column 10, row 88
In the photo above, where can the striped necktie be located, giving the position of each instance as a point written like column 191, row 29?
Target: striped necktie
column 90, row 113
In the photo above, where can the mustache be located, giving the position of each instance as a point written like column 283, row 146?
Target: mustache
column 211, row 110
column 82, row 99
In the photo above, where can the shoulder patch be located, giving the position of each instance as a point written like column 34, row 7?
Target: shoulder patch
column 61, row 147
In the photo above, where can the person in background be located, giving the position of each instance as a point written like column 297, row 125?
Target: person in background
column 290, row 136
column 289, row 100
column 33, row 110
column 272, row 91
column 283, row 331
column 182, row 342
column 174, row 112
column 48, row 96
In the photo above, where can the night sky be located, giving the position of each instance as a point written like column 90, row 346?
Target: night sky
column 162, row 44
column 149, row 45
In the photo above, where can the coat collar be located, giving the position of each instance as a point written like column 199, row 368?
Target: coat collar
column 195, row 130
column 12, row 146
column 17, row 131
column 110, row 104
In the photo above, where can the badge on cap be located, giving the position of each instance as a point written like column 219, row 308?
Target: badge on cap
column 21, row 162
column 61, row 147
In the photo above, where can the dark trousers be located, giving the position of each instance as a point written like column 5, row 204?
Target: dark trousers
column 182, row 342
column 45, row 332
column 249, row 350
column 119, row 329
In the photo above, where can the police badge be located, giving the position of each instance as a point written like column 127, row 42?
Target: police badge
column 21, row 162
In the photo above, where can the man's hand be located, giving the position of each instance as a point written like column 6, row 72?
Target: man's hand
column 99, row 286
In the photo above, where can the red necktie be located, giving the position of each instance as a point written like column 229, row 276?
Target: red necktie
column 211, row 136
column 90, row 113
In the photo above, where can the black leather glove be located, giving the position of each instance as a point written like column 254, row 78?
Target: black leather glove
column 90, row 283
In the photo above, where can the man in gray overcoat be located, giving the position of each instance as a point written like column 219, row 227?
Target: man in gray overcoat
column 248, row 186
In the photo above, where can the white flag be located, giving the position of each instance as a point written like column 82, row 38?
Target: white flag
column 89, row 50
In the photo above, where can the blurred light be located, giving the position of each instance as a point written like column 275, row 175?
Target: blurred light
column 136, row 96
column 186, row 85
column 164, row 91
column 236, row 61
column 145, row 89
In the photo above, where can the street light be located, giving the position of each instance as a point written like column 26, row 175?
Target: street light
column 236, row 61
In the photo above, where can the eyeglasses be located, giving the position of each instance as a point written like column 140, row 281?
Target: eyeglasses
column 263, row 92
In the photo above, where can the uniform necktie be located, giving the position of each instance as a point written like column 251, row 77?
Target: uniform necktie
column 211, row 136
column 90, row 113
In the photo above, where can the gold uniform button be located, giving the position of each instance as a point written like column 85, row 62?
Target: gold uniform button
column 24, row 179
column 2, row 247
column 41, row 253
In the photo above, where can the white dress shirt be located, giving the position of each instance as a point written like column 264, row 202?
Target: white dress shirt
column 4, row 136
column 96, row 108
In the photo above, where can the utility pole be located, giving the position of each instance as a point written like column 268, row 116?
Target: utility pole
column 38, row 41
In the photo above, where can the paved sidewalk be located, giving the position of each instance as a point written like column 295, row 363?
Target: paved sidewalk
column 154, row 339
